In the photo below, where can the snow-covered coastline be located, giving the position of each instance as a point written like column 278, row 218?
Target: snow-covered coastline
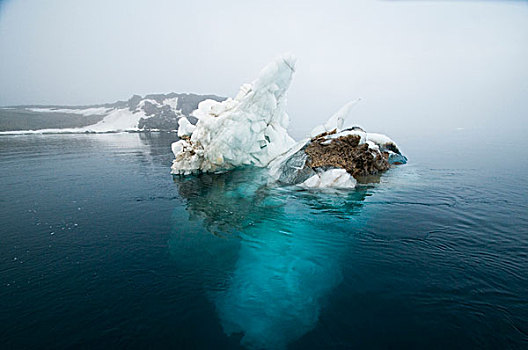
column 118, row 120
column 157, row 112
column 84, row 111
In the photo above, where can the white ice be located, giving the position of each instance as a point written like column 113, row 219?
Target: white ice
column 380, row 139
column 247, row 130
column 185, row 128
column 251, row 130
column 332, row 178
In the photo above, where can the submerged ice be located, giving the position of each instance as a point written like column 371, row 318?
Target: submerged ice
column 287, row 262
column 251, row 129
column 274, row 292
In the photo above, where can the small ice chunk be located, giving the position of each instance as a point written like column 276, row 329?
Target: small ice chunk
column 312, row 182
column 333, row 178
column 177, row 147
column 185, row 128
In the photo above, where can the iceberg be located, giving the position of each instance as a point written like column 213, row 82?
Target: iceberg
column 247, row 130
column 250, row 130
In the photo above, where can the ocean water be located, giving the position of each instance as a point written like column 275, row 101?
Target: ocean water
column 101, row 247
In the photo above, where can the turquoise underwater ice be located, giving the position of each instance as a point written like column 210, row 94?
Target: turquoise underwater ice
column 288, row 259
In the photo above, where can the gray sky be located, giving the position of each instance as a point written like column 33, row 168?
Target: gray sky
column 416, row 64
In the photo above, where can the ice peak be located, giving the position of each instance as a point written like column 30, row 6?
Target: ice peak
column 336, row 120
column 247, row 130
column 277, row 75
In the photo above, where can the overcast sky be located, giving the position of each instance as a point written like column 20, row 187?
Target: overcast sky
column 415, row 64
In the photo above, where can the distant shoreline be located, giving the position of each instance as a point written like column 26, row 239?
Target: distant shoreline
column 151, row 113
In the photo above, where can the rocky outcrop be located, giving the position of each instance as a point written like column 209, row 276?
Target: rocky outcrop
column 347, row 153
column 159, row 117
column 336, row 159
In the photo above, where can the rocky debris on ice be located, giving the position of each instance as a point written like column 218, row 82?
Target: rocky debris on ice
column 315, row 161
column 251, row 130
column 336, row 157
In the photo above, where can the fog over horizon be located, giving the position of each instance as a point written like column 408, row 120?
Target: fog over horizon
column 417, row 65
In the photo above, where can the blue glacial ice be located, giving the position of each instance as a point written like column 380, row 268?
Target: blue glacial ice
column 287, row 261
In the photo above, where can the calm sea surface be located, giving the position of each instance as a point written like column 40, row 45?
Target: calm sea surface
column 100, row 247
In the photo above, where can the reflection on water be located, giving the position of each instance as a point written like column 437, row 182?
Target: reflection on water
column 159, row 146
column 288, row 261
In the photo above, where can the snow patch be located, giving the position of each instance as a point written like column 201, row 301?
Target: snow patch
column 118, row 120
column 172, row 102
column 379, row 139
column 85, row 111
